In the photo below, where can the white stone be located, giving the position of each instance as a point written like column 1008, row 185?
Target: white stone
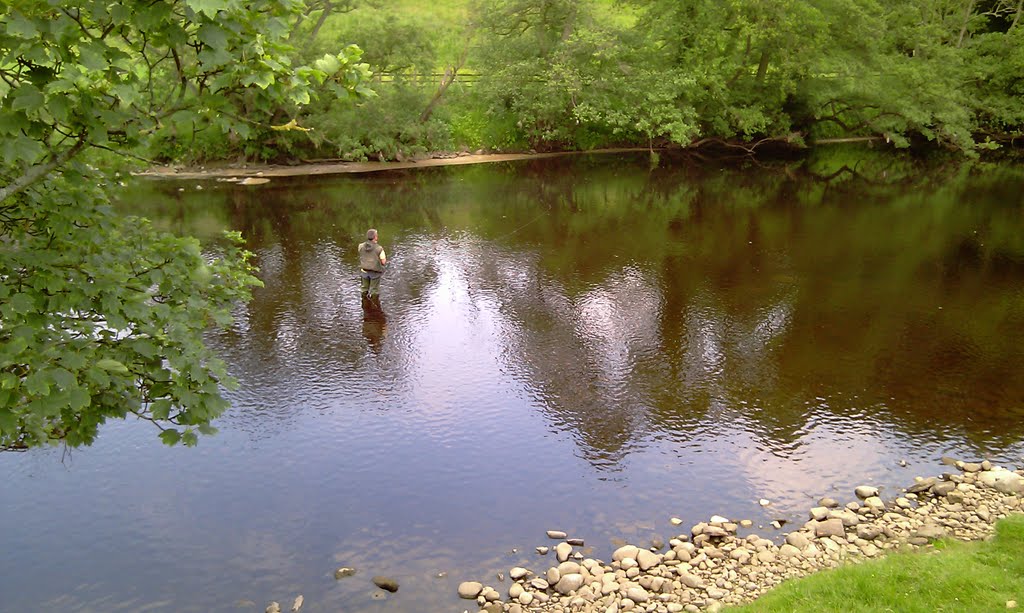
column 470, row 589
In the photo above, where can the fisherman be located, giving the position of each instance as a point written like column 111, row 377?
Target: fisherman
column 372, row 261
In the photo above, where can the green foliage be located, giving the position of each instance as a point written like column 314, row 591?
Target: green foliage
column 103, row 316
column 977, row 577
column 560, row 74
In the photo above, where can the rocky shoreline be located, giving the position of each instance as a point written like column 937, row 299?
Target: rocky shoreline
column 713, row 565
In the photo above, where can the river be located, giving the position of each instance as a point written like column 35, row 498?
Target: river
column 592, row 344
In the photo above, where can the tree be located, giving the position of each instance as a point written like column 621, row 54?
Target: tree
column 102, row 316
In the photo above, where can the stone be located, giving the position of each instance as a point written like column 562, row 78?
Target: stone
column 970, row 467
column 675, row 521
column 922, row 485
column 515, row 590
column 569, row 583
column 575, row 542
column 470, row 589
column 562, row 551
column 819, row 513
column 930, row 532
column 385, row 583
column 647, row 560
column 525, row 598
column 517, row 572
column 874, row 503
column 568, row 568
column 718, row 519
column 637, row 594
column 343, row 572
column 490, row 594
column 626, row 551
column 868, row 532
column 1011, row 604
column 829, row 503
column 297, row 604
column 690, row 581
column 829, row 527
column 556, row 534
column 798, row 540
column 789, row 551
column 553, row 575
column 865, row 491
column 539, row 583
column 273, row 607
column 764, row 502
column 542, row 550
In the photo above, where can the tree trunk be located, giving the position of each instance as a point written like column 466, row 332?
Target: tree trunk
column 967, row 19
column 449, row 77
column 762, row 67
column 1016, row 17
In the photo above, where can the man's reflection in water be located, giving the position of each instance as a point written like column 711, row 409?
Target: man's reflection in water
column 375, row 323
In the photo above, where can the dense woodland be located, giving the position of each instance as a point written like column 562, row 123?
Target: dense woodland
column 102, row 316
column 583, row 74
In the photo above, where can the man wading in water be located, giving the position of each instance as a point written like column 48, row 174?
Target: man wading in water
column 372, row 261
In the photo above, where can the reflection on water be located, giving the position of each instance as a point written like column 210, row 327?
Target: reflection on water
column 588, row 345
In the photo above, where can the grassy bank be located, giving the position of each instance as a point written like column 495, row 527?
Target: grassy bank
column 980, row 576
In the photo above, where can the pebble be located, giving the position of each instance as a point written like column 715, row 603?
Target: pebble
column 343, row 572
column 385, row 583
column 556, row 534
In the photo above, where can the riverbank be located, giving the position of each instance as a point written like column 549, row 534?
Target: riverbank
column 313, row 168
column 715, row 564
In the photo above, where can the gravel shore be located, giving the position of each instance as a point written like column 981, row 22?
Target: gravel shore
column 714, row 565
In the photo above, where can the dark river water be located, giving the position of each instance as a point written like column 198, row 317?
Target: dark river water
column 585, row 344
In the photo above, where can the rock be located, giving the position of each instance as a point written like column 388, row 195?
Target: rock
column 298, row 603
column 922, row 485
column 930, row 532
column 343, row 572
column 553, row 575
column 868, row 532
column 828, row 503
column 819, row 513
column 970, row 467
column 1011, row 604
column 385, row 583
column 569, row 583
column 865, row 491
column 470, row 589
column 556, row 534
column 788, row 551
column 943, row 487
column 675, row 521
column 626, row 551
column 490, row 594
column 798, row 540
column 829, row 527
column 568, row 568
column 525, row 598
column 657, row 543
column 515, row 590
column 638, row 594
column 718, row 519
column 539, row 583
column 273, row 607
column 647, row 560
column 517, row 572
column 575, row 542
column 562, row 551
column 746, row 523
column 542, row 550
column 690, row 581
column 764, row 502
column 875, row 503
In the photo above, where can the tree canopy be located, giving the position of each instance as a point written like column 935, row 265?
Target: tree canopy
column 581, row 74
column 103, row 316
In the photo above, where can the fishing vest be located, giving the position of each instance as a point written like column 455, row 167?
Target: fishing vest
column 369, row 256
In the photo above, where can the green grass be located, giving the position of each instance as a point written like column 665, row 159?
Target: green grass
column 956, row 577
